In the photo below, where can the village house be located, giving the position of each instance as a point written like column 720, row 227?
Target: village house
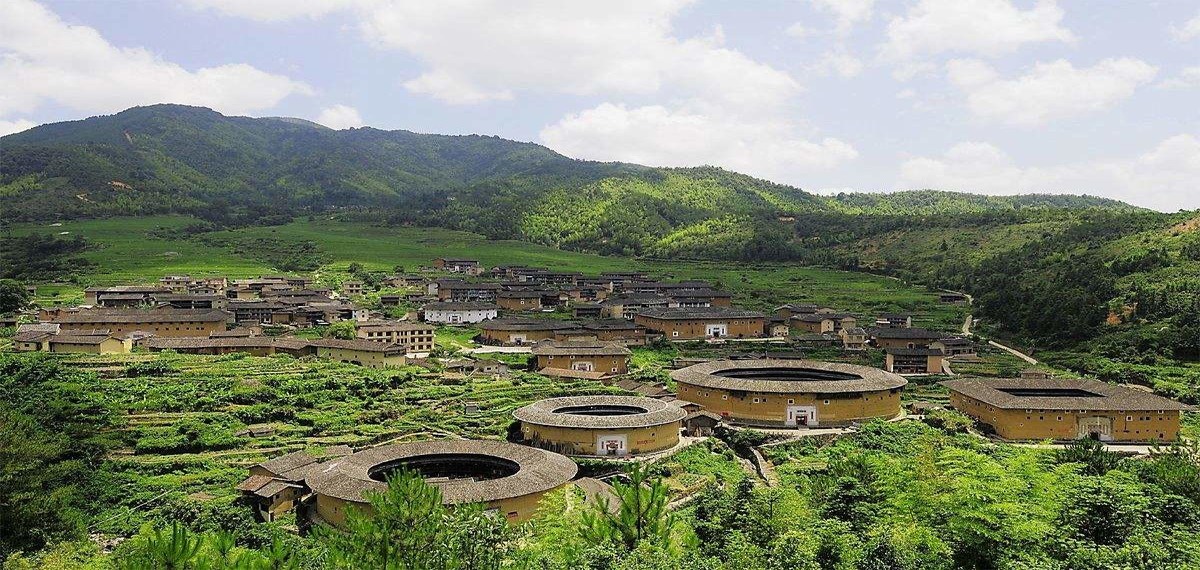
column 619, row 331
column 952, row 298
column 276, row 486
column 893, row 321
column 627, row 306
column 362, row 352
column 124, row 296
column 609, row 359
column 854, row 338
column 1060, row 409
column 701, row 423
column 820, row 323
column 417, row 338
column 586, row 310
column 253, row 311
column 458, row 265
column 391, row 299
column 218, row 345
column 913, row 360
column 703, row 323
column 352, row 288
column 904, row 338
column 519, row 300
column 461, row 291
column 700, row 298
column 512, row 331
column 458, row 313
column 89, row 342
column 190, row 301
column 160, row 322
column 955, row 347
column 401, row 281
column 790, row 310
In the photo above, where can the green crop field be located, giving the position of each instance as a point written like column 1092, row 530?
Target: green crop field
column 144, row 249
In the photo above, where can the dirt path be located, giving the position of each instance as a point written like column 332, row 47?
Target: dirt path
column 967, row 322
column 1014, row 352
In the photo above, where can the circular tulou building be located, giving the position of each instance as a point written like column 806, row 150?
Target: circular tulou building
column 601, row 425
column 504, row 476
column 791, row 392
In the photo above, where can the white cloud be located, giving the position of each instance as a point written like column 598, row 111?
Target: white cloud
column 44, row 60
column 847, row 13
column 717, row 105
column 1163, row 177
column 840, row 63
column 1048, row 91
column 662, row 136
column 340, row 117
column 797, row 30
column 15, row 126
column 1190, row 29
column 273, row 10
column 1188, row 77
column 980, row 27
column 491, row 50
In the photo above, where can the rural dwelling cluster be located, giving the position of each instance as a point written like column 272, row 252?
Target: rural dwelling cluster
column 578, row 327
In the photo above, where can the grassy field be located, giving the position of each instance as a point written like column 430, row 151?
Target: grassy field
column 139, row 250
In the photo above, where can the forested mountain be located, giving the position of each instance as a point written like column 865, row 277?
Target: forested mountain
column 241, row 170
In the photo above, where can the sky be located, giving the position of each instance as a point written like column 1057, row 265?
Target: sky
column 985, row 96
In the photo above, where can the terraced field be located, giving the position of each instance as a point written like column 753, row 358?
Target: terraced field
column 181, row 438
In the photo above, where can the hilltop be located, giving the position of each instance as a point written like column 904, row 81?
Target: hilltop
column 248, row 171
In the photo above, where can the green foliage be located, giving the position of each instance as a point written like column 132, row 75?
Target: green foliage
column 344, row 330
column 407, row 527
column 40, row 257
column 950, row 421
column 639, row 515
column 1091, row 454
column 13, row 296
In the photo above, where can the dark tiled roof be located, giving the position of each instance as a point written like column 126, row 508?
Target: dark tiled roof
column 915, row 352
column 78, row 339
column 1109, row 397
column 459, row 306
column 358, row 344
column 141, row 316
column 681, row 313
column 610, row 325
column 566, row 348
column 902, row 333
column 544, row 412
column 538, row 471
column 288, row 462
column 394, row 326
column 178, row 343
column 527, row 325
column 771, row 376
column 522, row 294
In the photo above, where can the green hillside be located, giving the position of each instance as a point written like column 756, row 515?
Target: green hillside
column 1107, row 286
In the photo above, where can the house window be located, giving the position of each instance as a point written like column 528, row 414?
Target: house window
column 756, row 400
column 1128, row 418
column 790, row 401
column 724, row 396
column 826, row 402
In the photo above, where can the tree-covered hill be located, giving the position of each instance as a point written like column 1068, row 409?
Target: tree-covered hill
column 931, row 202
column 242, row 170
